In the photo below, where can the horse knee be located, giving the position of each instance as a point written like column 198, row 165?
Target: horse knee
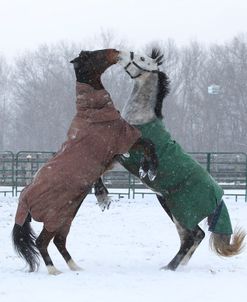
column 200, row 235
column 194, row 237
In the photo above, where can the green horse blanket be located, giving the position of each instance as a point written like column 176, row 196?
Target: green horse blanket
column 189, row 190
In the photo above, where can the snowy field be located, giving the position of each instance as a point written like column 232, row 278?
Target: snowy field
column 121, row 251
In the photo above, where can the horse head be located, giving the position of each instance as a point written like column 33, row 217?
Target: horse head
column 145, row 70
column 136, row 65
column 90, row 65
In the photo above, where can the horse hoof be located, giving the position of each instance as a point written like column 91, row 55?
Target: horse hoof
column 164, row 268
column 126, row 155
column 142, row 173
column 104, row 202
column 152, row 175
column 53, row 271
column 77, row 269
column 73, row 266
column 167, row 268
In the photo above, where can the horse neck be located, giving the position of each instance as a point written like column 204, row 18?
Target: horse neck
column 93, row 80
column 140, row 106
column 96, row 82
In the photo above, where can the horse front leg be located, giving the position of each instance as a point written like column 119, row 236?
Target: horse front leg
column 149, row 162
column 100, row 190
column 101, row 193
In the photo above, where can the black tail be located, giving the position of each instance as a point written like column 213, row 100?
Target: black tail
column 24, row 244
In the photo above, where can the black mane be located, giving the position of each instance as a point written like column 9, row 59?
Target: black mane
column 163, row 91
column 163, row 83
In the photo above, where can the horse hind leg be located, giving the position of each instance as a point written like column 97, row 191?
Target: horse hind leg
column 198, row 237
column 189, row 241
column 42, row 243
column 164, row 205
column 60, row 242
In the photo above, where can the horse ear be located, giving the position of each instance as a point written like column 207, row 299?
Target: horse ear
column 75, row 63
column 84, row 55
column 159, row 60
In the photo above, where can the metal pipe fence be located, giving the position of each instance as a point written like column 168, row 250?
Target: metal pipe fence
column 228, row 168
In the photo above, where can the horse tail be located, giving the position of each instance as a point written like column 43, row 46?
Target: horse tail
column 228, row 245
column 24, row 243
column 224, row 241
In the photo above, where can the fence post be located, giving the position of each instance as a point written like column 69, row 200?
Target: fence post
column 208, row 161
column 16, row 174
column 7, row 172
column 129, row 188
column 27, row 164
column 245, row 177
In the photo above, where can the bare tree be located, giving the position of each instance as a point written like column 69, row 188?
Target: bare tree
column 228, row 68
column 4, row 102
column 188, row 95
column 36, row 109
column 43, row 90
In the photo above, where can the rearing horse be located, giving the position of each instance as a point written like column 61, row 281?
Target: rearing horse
column 97, row 134
column 184, row 188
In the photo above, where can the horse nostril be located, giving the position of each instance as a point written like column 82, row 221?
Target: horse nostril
column 142, row 59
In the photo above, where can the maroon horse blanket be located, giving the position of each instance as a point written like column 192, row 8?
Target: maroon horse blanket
column 97, row 133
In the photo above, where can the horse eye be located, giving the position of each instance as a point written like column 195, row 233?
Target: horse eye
column 142, row 59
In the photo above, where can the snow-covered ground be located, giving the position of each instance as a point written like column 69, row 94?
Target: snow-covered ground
column 121, row 251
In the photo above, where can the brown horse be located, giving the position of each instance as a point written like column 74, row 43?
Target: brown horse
column 97, row 134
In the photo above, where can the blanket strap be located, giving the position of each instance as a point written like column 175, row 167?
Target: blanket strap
column 215, row 216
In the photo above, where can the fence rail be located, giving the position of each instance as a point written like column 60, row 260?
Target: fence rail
column 27, row 163
column 7, row 175
column 228, row 168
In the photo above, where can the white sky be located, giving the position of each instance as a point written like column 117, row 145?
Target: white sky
column 24, row 24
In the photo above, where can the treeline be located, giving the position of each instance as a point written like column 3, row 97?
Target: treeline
column 37, row 94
